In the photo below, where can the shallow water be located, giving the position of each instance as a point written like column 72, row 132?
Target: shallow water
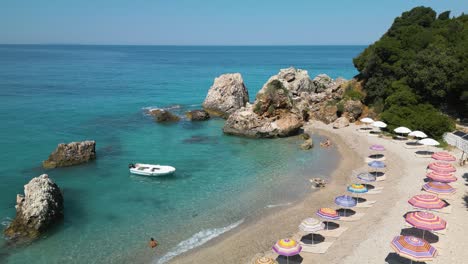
column 54, row 94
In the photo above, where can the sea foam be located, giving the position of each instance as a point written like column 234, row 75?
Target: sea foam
column 196, row 240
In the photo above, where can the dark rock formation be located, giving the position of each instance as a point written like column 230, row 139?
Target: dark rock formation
column 197, row 115
column 227, row 94
column 36, row 211
column 161, row 116
column 71, row 154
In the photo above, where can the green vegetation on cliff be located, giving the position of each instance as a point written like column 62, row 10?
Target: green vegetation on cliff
column 418, row 68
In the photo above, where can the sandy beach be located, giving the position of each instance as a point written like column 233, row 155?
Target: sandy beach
column 366, row 240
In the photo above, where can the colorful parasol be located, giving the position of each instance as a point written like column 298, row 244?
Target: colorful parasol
column 441, row 177
column 427, row 201
column 328, row 213
column 413, row 248
column 442, row 167
column 311, row 225
column 438, row 188
column 444, row 156
column 367, row 177
column 357, row 188
column 265, row 260
column 425, row 221
column 377, row 147
column 376, row 164
column 287, row 247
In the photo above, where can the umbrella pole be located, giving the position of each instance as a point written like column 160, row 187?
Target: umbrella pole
column 287, row 259
column 312, row 238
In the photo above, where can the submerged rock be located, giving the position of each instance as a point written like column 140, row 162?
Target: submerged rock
column 197, row 115
column 227, row 94
column 308, row 144
column 36, row 211
column 71, row 154
column 161, row 116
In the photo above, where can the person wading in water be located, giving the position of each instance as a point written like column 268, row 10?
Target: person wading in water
column 153, row 243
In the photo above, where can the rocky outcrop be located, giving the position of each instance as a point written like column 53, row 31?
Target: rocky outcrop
column 197, row 115
column 327, row 114
column 227, row 94
column 37, row 210
column 308, row 144
column 163, row 116
column 341, row 122
column 352, row 109
column 245, row 122
column 70, row 154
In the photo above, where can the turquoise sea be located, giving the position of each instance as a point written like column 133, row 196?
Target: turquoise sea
column 52, row 93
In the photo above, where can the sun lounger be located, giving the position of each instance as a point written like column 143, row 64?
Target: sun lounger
column 381, row 178
column 372, row 192
column 333, row 232
column 352, row 218
column 366, row 204
column 319, row 248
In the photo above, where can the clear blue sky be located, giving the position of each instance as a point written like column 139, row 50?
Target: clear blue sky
column 198, row 22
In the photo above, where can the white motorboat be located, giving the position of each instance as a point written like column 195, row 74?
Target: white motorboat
column 150, row 169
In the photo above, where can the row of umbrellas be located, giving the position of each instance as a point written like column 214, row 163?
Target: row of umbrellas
column 418, row 249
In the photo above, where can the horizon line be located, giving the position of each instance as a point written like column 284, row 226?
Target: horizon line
column 180, row 45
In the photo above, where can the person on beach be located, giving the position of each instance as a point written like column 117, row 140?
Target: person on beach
column 153, row 243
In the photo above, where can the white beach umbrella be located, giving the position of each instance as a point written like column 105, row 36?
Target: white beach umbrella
column 418, row 134
column 402, row 130
column 367, row 120
column 379, row 124
column 429, row 142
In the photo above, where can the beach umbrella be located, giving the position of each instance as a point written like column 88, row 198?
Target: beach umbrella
column 442, row 167
column 438, row 188
column 357, row 189
column 425, row 221
column 402, row 130
column 367, row 177
column 367, row 120
column 379, row 124
column 443, row 156
column 287, row 247
column 441, row 177
column 265, row 260
column 376, row 164
column 428, row 142
column 417, row 134
column 310, row 226
column 427, row 201
column 345, row 201
column 377, row 147
column 413, row 248
column 329, row 214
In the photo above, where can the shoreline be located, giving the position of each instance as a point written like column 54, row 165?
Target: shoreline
column 263, row 231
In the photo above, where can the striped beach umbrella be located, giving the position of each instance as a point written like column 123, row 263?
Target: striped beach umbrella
column 425, row 221
column 265, row 260
column 444, row 156
column 442, row 167
column 376, row 164
column 287, row 247
column 310, row 226
column 377, row 147
column 367, row 177
column 427, row 201
column 413, row 248
column 329, row 214
column 438, row 188
column 441, row 177
column 357, row 188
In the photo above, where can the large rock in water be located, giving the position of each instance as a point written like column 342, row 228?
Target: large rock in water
column 71, row 154
column 227, row 94
column 162, row 116
column 197, row 115
column 245, row 122
column 36, row 211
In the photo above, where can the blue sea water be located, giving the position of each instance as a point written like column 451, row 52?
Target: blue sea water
column 51, row 94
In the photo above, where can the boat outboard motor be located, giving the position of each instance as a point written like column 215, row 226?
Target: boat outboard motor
column 131, row 165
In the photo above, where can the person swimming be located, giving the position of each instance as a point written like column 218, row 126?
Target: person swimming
column 326, row 143
column 153, row 243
